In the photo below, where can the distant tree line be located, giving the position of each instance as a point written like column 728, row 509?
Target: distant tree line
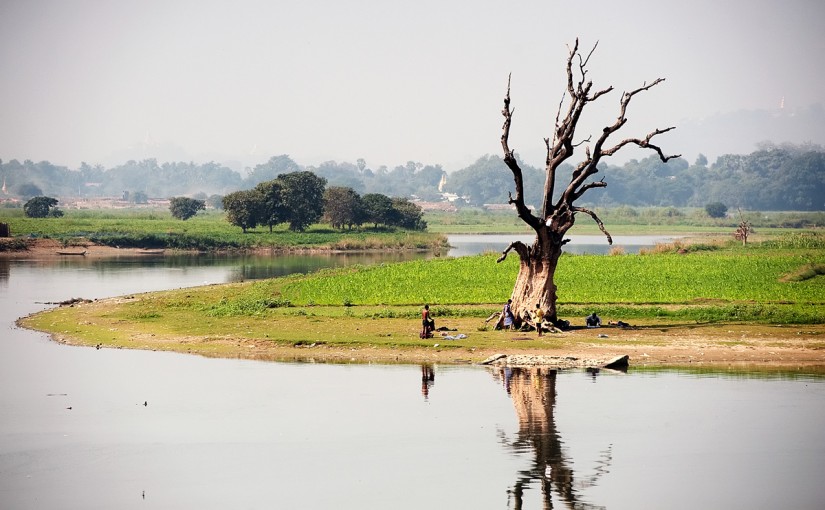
column 301, row 198
column 775, row 177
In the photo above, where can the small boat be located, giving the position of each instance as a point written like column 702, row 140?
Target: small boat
column 72, row 252
column 151, row 251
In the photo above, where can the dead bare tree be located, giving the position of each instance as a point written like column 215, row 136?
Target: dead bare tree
column 744, row 230
column 535, row 282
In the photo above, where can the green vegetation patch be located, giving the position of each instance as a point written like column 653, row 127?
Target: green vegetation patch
column 805, row 272
column 637, row 279
column 706, row 287
column 206, row 232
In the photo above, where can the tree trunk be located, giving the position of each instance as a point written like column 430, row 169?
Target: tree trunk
column 535, row 285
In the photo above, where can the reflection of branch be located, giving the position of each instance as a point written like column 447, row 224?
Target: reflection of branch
column 602, row 468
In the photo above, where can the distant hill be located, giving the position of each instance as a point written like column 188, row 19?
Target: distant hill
column 742, row 132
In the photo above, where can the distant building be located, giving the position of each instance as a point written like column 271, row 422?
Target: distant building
column 442, row 183
column 436, row 206
column 499, row 207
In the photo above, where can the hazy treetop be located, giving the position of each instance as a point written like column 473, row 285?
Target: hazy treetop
column 103, row 81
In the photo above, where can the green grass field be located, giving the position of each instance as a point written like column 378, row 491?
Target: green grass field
column 759, row 284
column 206, row 231
column 720, row 285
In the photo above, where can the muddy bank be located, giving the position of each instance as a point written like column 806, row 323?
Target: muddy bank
column 734, row 345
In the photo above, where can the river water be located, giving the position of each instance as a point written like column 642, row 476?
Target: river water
column 85, row 428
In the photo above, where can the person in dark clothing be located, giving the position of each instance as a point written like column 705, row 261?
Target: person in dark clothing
column 427, row 323
column 593, row 321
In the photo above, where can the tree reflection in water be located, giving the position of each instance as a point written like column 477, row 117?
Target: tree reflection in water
column 533, row 392
column 427, row 379
column 5, row 270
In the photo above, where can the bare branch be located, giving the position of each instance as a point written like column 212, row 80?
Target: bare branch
column 597, row 220
column 521, row 248
column 591, row 53
column 644, row 86
column 510, row 160
column 591, row 185
column 572, row 53
column 589, row 166
column 600, row 93
column 556, row 125
column 586, row 140
column 643, row 143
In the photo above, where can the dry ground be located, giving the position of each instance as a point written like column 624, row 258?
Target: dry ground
column 653, row 344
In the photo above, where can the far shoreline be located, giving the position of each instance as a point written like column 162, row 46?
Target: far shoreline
column 51, row 248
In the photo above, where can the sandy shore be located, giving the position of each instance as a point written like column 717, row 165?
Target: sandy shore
column 741, row 346
column 46, row 248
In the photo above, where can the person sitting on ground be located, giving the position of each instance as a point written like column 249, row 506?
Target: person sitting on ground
column 593, row 321
column 427, row 323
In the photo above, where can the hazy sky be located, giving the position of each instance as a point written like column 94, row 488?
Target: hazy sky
column 384, row 80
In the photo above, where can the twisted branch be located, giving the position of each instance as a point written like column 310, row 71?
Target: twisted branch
column 522, row 249
column 510, row 160
column 597, row 220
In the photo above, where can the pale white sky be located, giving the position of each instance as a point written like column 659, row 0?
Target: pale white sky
column 384, row 80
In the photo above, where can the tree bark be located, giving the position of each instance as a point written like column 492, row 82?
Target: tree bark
column 537, row 263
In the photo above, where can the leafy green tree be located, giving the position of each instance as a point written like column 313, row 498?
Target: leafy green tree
column 803, row 181
column 40, row 207
column 407, row 215
column 303, row 198
column 343, row 207
column 716, row 209
column 243, row 208
column 377, row 209
column 273, row 210
column 184, row 208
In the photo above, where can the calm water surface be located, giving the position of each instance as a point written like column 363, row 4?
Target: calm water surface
column 471, row 244
column 217, row 433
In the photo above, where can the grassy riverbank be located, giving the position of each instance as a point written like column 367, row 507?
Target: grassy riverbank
column 209, row 231
column 720, row 303
column 205, row 232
